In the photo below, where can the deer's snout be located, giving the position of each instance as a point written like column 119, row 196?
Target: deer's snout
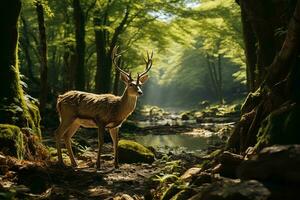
column 140, row 92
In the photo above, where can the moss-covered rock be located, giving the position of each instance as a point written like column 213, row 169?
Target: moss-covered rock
column 133, row 152
column 21, row 143
column 11, row 140
column 280, row 128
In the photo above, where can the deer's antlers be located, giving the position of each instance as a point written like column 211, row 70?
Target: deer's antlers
column 115, row 58
column 148, row 63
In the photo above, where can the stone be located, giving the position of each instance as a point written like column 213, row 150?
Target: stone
column 231, row 190
column 190, row 173
column 229, row 163
column 133, row 152
column 276, row 163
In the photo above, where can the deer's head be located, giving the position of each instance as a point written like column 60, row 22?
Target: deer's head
column 133, row 86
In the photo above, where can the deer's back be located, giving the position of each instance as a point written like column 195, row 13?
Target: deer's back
column 87, row 105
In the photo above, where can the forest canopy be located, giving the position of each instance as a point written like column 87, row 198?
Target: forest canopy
column 197, row 48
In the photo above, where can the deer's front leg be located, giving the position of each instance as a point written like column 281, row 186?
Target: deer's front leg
column 114, row 133
column 101, row 131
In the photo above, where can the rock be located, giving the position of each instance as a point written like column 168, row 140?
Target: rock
column 190, row 173
column 185, row 116
column 133, row 152
column 11, row 139
column 230, row 190
column 202, row 178
column 278, row 162
column 229, row 163
column 126, row 197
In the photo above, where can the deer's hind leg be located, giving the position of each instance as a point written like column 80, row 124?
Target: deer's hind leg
column 67, row 137
column 62, row 128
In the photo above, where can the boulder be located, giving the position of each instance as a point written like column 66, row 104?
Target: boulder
column 133, row 152
column 232, row 190
column 190, row 173
column 229, row 163
column 185, row 116
column 276, row 163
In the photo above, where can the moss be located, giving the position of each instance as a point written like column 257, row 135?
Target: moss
column 12, row 141
column 131, row 152
column 280, row 128
column 35, row 117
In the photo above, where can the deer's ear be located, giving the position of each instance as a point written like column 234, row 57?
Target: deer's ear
column 144, row 78
column 124, row 78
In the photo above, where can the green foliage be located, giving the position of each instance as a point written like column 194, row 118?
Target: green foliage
column 181, row 33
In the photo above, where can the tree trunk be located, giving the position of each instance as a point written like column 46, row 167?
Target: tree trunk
column 43, row 57
column 103, row 71
column 270, row 115
column 259, row 17
column 104, row 48
column 250, row 51
column 26, row 46
column 79, row 22
column 16, row 110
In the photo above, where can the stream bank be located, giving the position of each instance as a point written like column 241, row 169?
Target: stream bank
column 47, row 180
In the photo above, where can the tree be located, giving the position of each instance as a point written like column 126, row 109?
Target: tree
column 17, row 111
column 270, row 114
column 79, row 22
column 43, row 56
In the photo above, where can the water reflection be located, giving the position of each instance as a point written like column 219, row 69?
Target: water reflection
column 190, row 143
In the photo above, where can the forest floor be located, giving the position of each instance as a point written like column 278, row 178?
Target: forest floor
column 47, row 180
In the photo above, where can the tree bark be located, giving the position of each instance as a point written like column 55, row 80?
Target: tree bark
column 278, row 89
column 259, row 17
column 14, row 109
column 250, row 51
column 79, row 22
column 26, row 48
column 43, row 57
column 104, row 48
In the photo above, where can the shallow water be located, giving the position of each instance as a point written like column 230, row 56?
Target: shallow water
column 189, row 143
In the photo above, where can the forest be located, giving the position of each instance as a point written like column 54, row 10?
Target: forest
column 157, row 99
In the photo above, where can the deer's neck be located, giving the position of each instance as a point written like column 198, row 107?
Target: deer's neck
column 127, row 104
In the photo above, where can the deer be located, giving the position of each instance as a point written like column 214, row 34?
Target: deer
column 102, row 111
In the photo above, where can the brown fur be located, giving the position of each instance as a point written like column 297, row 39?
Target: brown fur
column 76, row 108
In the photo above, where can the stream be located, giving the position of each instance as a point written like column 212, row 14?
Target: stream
column 197, row 137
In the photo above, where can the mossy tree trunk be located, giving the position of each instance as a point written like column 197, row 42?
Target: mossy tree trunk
column 17, row 111
column 277, row 98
